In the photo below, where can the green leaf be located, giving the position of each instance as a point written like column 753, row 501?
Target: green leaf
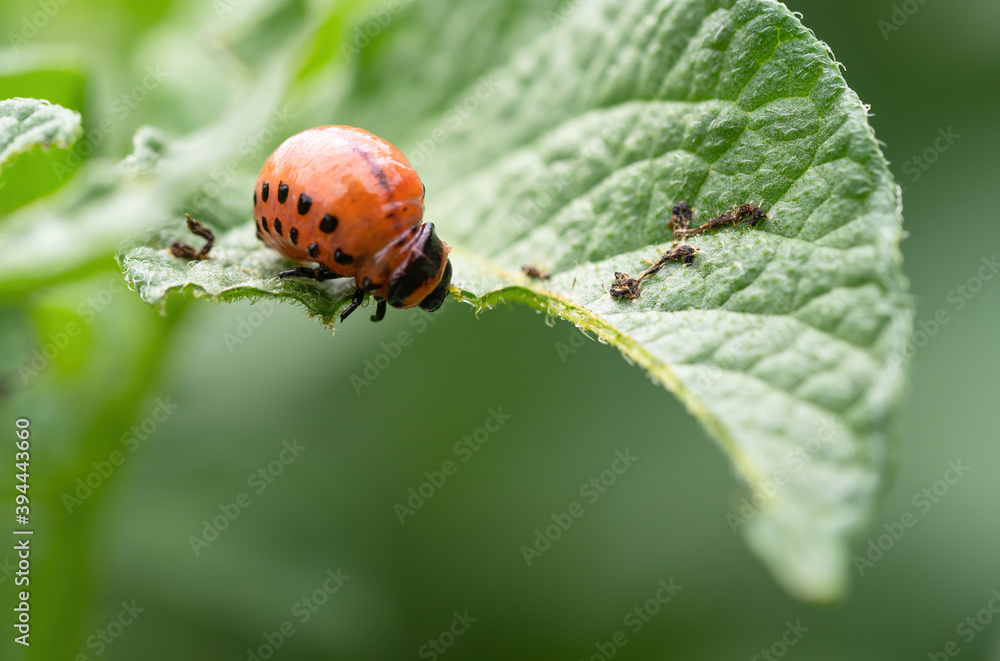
column 149, row 145
column 205, row 172
column 785, row 340
column 240, row 267
column 105, row 204
column 26, row 173
column 29, row 123
column 57, row 76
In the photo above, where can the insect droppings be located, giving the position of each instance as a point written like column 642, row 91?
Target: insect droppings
column 625, row 287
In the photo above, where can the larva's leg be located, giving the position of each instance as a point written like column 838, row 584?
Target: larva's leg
column 359, row 298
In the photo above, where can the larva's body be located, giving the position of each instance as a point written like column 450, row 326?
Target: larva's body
column 349, row 201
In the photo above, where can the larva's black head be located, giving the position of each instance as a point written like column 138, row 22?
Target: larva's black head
column 436, row 298
column 424, row 276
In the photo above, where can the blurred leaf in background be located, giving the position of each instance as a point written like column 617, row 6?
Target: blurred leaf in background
column 27, row 127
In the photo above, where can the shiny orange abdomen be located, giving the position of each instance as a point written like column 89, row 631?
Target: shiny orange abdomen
column 344, row 198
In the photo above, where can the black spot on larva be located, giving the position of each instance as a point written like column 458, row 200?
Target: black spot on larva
column 263, row 223
column 414, row 229
column 293, row 234
column 255, row 198
column 277, row 226
column 264, row 190
column 328, row 224
column 282, row 192
column 424, row 194
column 304, row 203
column 342, row 257
column 313, row 249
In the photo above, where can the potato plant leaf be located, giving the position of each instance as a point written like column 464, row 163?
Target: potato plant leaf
column 784, row 340
column 29, row 123
column 240, row 267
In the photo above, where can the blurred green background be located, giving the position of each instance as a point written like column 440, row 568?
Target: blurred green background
column 201, row 400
